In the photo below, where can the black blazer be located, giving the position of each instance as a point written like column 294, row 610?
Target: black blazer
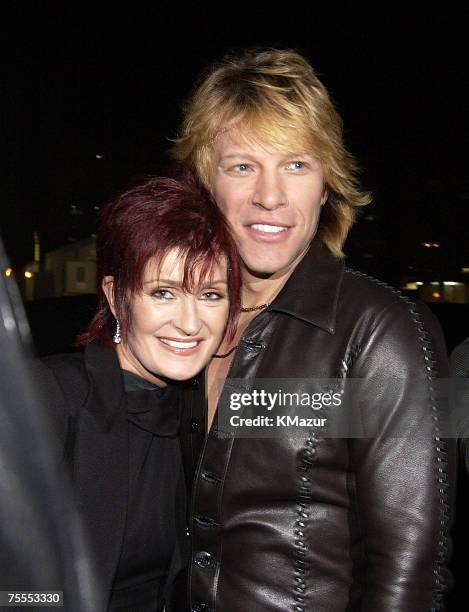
column 86, row 394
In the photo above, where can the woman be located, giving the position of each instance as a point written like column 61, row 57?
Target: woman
column 166, row 300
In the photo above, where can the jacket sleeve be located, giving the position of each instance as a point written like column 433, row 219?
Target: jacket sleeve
column 56, row 407
column 402, row 469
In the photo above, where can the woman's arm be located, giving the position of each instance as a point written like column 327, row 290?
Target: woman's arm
column 62, row 383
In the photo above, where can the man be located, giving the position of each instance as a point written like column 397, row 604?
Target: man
column 311, row 521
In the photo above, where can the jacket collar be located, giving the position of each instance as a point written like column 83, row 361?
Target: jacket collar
column 106, row 390
column 311, row 293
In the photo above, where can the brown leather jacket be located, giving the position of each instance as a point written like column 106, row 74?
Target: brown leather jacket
column 321, row 523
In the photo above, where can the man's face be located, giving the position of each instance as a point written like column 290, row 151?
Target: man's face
column 272, row 200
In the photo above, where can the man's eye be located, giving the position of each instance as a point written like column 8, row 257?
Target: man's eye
column 241, row 168
column 296, row 165
column 163, row 294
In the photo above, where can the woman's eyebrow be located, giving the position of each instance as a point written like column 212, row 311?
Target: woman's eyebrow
column 176, row 283
column 165, row 281
column 211, row 283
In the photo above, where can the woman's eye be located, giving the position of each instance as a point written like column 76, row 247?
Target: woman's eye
column 163, row 294
column 212, row 296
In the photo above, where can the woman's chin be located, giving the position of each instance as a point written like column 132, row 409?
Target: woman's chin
column 179, row 375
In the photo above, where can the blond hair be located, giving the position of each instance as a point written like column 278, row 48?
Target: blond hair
column 280, row 102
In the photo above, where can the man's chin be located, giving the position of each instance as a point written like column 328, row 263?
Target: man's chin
column 265, row 269
column 268, row 265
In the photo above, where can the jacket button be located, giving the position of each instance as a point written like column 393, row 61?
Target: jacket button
column 205, row 521
column 203, row 559
column 209, row 477
column 194, row 424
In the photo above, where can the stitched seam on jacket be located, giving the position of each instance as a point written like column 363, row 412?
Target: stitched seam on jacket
column 440, row 450
column 348, row 361
column 304, row 468
column 300, row 566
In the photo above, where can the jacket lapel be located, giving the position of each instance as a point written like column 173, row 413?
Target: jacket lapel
column 312, row 291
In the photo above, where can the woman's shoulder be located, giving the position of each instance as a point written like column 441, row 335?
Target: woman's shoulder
column 77, row 374
column 69, row 367
column 67, row 372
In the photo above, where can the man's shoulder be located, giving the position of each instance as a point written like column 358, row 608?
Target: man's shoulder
column 393, row 323
column 369, row 290
column 367, row 296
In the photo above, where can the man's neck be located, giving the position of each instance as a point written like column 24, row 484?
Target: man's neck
column 259, row 290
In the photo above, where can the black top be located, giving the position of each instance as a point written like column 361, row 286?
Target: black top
column 106, row 438
column 154, row 465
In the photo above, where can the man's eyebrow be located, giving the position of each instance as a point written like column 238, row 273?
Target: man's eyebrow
column 287, row 154
column 240, row 154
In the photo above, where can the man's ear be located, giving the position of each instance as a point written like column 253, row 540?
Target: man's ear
column 107, row 285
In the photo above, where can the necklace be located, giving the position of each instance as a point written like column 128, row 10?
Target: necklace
column 250, row 309
column 254, row 308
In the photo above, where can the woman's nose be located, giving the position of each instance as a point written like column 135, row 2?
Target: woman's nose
column 188, row 321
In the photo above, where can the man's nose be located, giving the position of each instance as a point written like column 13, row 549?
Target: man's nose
column 187, row 320
column 269, row 190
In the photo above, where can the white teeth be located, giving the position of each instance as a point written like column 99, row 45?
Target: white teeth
column 181, row 345
column 269, row 229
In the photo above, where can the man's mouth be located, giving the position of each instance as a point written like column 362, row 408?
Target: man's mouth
column 268, row 233
column 268, row 229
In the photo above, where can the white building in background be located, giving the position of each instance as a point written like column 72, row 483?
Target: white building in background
column 452, row 292
column 68, row 270
column 73, row 268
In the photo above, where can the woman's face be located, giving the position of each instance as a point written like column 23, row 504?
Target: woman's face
column 174, row 334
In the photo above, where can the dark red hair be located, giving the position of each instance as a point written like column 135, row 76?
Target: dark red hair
column 147, row 222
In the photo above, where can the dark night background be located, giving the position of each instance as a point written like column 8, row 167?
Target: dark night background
column 85, row 81
column 109, row 79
